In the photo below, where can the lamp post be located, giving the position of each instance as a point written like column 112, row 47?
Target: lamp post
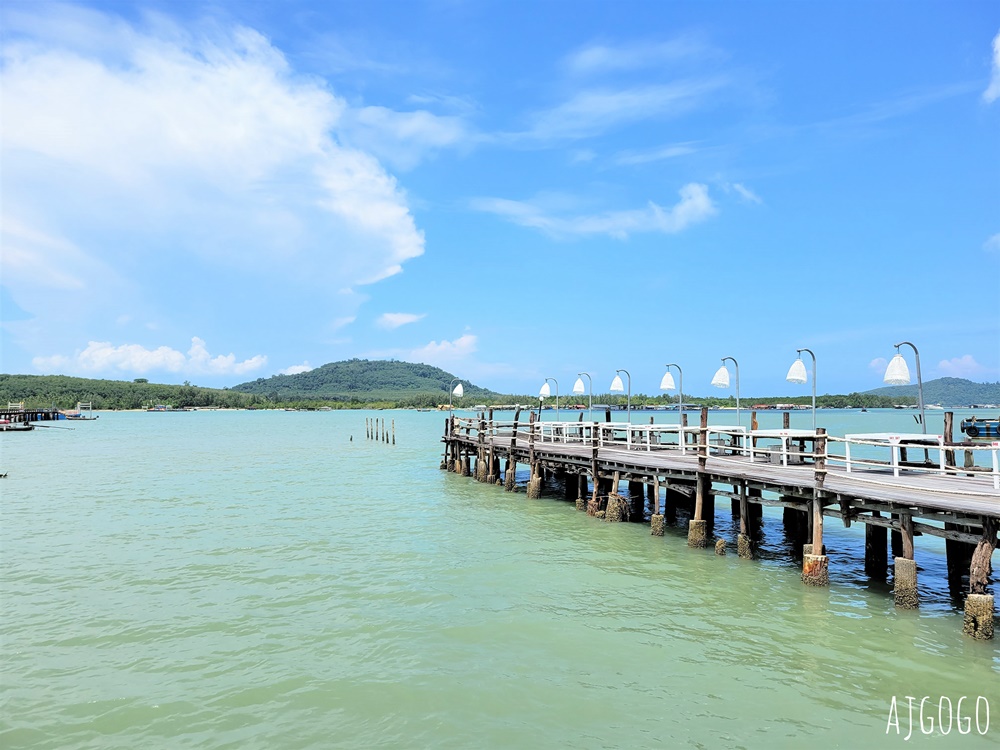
column 721, row 380
column 897, row 373
column 797, row 374
column 667, row 384
column 546, row 391
column 458, row 391
column 578, row 389
column 618, row 387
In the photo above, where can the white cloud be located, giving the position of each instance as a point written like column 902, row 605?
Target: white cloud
column 445, row 352
column 395, row 320
column 992, row 92
column 992, row 245
column 296, row 369
column 694, row 206
column 961, row 367
column 124, row 145
column 102, row 357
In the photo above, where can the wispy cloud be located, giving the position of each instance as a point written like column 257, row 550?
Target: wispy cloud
column 631, row 158
column 992, row 245
column 992, row 92
column 965, row 366
column 103, row 357
column 608, row 58
column 391, row 321
column 878, row 365
column 594, row 111
column 746, row 193
column 694, row 206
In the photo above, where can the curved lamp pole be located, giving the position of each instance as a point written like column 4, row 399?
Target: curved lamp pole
column 618, row 387
column 458, row 391
column 667, row 384
column 897, row 373
column 546, row 391
column 797, row 374
column 578, row 389
column 721, row 380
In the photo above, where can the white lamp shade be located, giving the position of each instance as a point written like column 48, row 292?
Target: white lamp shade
column 721, row 378
column 797, row 372
column 897, row 373
column 545, row 390
column 459, row 390
column 578, row 386
column 617, row 385
column 667, row 384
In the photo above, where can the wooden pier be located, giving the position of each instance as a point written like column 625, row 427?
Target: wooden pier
column 917, row 489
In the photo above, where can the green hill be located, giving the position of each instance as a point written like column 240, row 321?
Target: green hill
column 365, row 381
column 946, row 391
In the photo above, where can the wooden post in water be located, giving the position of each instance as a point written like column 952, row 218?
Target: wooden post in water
column 905, row 567
column 958, row 555
column 510, row 475
column 617, row 509
column 636, row 500
column 744, row 542
column 697, row 526
column 394, row 432
column 979, row 604
column 815, row 564
column 656, row 520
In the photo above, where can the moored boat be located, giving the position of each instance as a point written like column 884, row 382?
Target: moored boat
column 988, row 429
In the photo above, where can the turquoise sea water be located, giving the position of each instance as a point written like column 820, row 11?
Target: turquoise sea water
column 260, row 580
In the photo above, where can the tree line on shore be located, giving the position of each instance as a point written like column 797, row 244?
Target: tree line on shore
column 64, row 392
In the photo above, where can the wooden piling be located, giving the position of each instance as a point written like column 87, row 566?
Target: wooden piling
column 905, row 567
column 979, row 604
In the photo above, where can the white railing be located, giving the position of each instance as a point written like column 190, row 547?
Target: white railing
column 785, row 447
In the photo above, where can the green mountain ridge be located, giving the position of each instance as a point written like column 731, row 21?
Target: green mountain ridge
column 946, row 392
column 364, row 380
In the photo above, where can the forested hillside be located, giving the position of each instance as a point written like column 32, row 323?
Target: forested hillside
column 63, row 392
column 947, row 392
column 365, row 380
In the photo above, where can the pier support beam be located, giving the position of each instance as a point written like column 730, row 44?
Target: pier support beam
column 876, row 557
column 979, row 604
column 744, row 542
column 509, row 476
column 636, row 500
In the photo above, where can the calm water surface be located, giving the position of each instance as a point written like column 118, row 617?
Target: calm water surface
column 260, row 580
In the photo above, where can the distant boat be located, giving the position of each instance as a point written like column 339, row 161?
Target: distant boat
column 7, row 426
column 863, row 409
column 165, row 408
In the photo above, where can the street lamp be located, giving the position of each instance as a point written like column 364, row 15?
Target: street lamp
column 546, row 391
column 618, row 387
column 897, row 373
column 721, row 380
column 667, row 384
column 458, row 391
column 578, row 389
column 797, row 374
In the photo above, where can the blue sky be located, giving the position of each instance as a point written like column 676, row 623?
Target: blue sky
column 509, row 190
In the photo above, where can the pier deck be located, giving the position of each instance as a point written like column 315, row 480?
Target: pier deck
column 693, row 466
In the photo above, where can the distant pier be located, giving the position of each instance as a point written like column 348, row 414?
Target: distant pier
column 906, row 485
